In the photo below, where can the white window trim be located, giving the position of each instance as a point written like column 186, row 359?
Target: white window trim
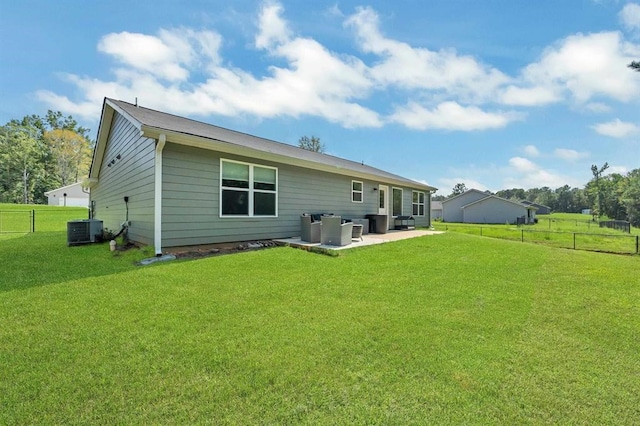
column 361, row 192
column 394, row 188
column 423, row 204
column 249, row 190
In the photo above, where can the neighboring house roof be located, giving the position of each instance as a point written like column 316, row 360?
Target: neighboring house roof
column 436, row 205
column 466, row 193
column 531, row 203
column 62, row 188
column 185, row 131
column 500, row 199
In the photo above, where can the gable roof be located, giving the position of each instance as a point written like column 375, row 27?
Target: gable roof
column 152, row 124
column 531, row 203
column 466, row 193
column 501, row 200
column 64, row 188
column 436, row 205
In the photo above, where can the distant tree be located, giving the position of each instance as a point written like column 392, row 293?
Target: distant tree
column 634, row 65
column 597, row 187
column 71, row 153
column 512, row 194
column 23, row 158
column 459, row 188
column 312, row 144
column 438, row 198
column 38, row 154
column 631, row 197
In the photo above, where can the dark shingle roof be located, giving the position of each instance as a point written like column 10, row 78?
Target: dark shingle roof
column 174, row 123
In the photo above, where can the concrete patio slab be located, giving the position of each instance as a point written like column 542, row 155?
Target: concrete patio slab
column 367, row 240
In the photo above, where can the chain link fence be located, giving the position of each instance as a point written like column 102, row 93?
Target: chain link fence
column 49, row 220
column 608, row 243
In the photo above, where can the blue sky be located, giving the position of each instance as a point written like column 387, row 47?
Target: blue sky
column 495, row 94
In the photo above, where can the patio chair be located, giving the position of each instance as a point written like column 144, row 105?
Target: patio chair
column 310, row 230
column 356, row 234
column 334, row 232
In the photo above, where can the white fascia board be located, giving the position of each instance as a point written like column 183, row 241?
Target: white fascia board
column 230, row 148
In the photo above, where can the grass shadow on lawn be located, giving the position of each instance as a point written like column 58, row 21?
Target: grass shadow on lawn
column 43, row 258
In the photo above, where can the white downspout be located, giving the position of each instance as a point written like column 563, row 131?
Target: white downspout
column 157, row 213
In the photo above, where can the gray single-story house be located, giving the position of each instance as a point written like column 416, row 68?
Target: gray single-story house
column 68, row 196
column 542, row 209
column 179, row 182
column 474, row 206
column 436, row 210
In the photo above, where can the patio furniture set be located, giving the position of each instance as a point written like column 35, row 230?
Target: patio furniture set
column 329, row 229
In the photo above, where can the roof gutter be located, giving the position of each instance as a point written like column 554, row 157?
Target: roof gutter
column 157, row 235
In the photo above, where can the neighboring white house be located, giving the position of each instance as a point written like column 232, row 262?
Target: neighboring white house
column 436, row 210
column 68, row 196
column 474, row 206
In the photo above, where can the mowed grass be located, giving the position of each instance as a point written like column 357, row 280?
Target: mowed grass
column 18, row 218
column 450, row 328
column 560, row 230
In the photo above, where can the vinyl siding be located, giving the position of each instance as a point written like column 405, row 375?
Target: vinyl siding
column 133, row 176
column 493, row 210
column 191, row 194
column 452, row 208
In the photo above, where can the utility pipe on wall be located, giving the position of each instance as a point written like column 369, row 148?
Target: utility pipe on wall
column 157, row 237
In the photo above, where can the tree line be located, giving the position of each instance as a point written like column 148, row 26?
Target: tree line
column 38, row 154
column 614, row 196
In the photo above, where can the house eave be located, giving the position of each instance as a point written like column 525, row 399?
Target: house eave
column 230, row 148
column 106, row 119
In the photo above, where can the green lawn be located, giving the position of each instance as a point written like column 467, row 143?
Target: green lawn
column 445, row 329
column 18, row 218
column 561, row 230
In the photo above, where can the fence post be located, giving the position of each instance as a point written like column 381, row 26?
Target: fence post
column 33, row 220
column 549, row 223
column 481, row 231
column 574, row 240
column 522, row 237
column 637, row 238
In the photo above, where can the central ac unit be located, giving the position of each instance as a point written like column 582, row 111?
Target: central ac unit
column 84, row 231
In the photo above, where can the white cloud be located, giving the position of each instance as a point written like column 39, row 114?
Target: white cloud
column 630, row 17
column 157, row 69
column 411, row 67
column 447, row 184
column 621, row 170
column 533, row 96
column 169, row 55
column 272, row 28
column 597, row 107
column 616, row 129
column 523, row 173
column 531, row 151
column 181, row 70
column 570, row 154
column 584, row 66
column 449, row 116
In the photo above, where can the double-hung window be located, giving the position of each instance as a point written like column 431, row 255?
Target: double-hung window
column 418, row 203
column 248, row 189
column 356, row 191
